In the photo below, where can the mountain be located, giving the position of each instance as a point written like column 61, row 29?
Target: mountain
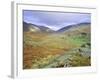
column 74, row 27
column 28, row 27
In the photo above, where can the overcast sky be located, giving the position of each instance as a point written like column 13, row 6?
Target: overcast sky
column 55, row 20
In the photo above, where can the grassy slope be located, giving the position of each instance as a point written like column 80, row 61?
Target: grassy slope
column 56, row 50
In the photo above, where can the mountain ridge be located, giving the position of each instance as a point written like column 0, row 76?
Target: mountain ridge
column 37, row 28
column 72, row 26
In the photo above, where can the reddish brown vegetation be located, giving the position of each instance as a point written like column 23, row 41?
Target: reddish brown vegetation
column 36, row 53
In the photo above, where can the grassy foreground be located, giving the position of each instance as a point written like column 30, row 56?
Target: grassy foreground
column 52, row 50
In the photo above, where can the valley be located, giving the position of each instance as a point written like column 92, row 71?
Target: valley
column 45, row 48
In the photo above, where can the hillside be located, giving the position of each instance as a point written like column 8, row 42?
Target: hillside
column 76, row 27
column 68, row 47
column 28, row 27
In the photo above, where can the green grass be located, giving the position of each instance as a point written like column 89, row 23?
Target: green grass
column 79, row 40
